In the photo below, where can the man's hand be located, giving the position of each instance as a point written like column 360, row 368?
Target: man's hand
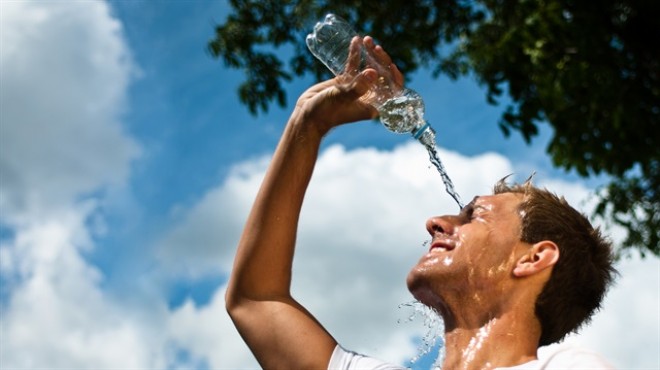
column 342, row 99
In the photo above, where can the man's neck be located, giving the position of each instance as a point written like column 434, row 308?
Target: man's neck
column 507, row 340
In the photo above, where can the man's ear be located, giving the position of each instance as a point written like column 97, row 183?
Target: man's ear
column 540, row 256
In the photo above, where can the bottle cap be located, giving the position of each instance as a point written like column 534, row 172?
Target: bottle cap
column 420, row 131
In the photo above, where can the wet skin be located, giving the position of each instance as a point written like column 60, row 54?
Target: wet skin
column 471, row 251
column 473, row 275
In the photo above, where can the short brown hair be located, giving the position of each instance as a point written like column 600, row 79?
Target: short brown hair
column 584, row 271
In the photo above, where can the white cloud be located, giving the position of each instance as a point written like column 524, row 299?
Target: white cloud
column 627, row 330
column 65, row 70
column 57, row 317
column 208, row 333
column 203, row 240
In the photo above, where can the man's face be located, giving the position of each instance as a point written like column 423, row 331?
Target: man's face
column 472, row 252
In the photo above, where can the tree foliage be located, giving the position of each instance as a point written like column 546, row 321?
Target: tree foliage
column 590, row 69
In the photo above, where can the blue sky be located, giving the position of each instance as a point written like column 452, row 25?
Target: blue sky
column 128, row 166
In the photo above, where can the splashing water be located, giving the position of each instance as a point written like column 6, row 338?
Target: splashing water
column 434, row 330
column 449, row 185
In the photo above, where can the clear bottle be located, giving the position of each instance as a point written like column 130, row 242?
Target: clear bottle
column 401, row 110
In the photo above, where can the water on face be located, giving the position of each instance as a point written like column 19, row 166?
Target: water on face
column 434, row 327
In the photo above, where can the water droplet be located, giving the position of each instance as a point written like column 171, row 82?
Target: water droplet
column 434, row 327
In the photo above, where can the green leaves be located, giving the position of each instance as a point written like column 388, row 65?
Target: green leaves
column 583, row 67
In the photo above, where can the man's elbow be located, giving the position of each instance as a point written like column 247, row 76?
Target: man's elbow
column 237, row 300
column 232, row 301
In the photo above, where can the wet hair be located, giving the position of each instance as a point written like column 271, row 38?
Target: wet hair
column 584, row 271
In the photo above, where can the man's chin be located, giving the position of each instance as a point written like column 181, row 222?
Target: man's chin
column 419, row 286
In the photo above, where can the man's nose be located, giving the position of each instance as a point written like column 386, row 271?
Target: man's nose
column 440, row 224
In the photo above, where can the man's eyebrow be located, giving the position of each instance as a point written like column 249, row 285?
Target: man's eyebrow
column 474, row 206
column 470, row 206
column 472, row 203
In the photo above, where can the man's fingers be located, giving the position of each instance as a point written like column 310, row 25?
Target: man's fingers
column 383, row 59
column 377, row 51
column 382, row 56
column 397, row 76
column 354, row 57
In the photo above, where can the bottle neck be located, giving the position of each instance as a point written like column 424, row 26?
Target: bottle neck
column 425, row 135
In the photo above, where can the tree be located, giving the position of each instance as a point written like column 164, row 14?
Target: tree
column 589, row 69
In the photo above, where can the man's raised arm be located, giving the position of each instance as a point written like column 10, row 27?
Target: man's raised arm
column 278, row 330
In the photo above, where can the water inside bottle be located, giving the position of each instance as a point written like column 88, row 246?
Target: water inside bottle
column 402, row 113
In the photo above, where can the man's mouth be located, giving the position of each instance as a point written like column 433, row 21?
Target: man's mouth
column 442, row 246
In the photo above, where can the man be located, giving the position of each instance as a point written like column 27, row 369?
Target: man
column 514, row 270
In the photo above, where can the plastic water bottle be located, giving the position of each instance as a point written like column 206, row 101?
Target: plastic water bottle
column 400, row 109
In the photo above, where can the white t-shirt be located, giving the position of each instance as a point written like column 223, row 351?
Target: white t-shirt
column 342, row 359
column 559, row 358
